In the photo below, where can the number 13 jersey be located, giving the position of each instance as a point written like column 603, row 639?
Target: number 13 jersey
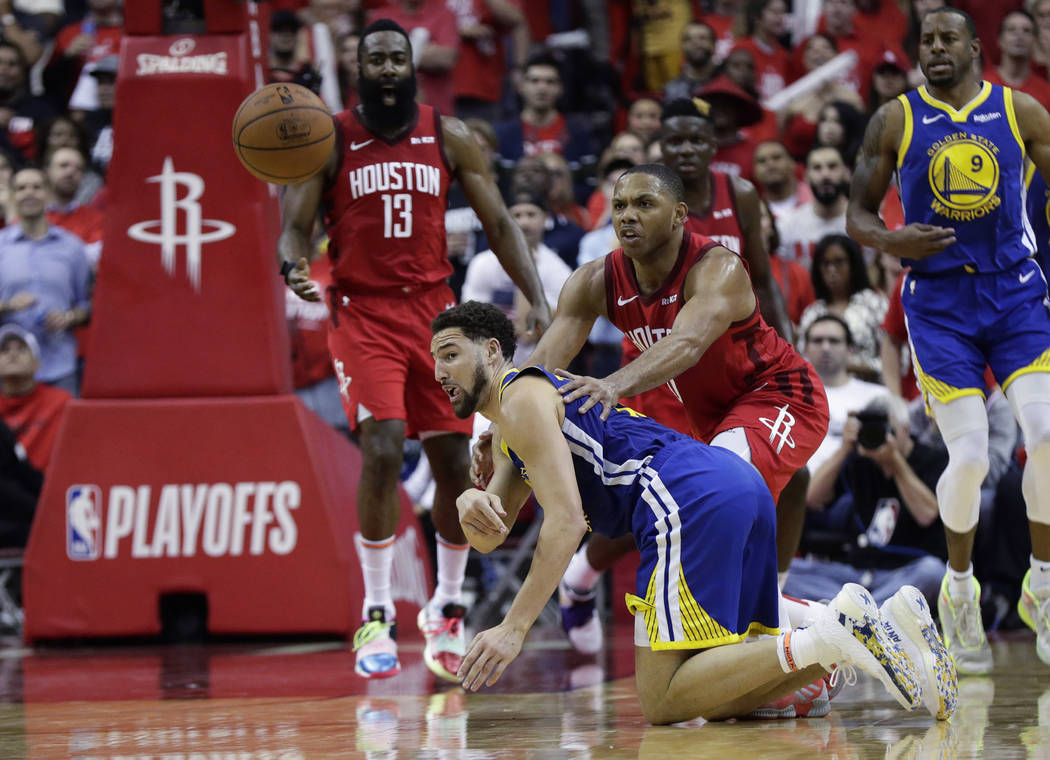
column 385, row 210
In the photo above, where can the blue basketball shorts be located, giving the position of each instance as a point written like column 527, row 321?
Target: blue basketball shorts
column 959, row 323
column 705, row 526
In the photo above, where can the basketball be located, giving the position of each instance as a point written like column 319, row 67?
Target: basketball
column 283, row 133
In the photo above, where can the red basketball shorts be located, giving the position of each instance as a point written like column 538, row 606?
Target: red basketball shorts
column 380, row 348
column 782, row 429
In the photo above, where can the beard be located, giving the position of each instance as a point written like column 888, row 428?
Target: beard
column 826, row 194
column 380, row 115
column 469, row 400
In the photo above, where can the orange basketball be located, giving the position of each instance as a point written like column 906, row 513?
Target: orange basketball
column 283, row 133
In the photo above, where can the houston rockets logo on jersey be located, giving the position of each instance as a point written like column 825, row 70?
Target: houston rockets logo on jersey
column 964, row 176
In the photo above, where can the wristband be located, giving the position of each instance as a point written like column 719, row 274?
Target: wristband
column 286, row 267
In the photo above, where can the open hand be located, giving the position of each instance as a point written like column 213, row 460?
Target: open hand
column 488, row 656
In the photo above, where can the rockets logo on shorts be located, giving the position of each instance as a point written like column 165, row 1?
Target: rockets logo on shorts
column 83, row 522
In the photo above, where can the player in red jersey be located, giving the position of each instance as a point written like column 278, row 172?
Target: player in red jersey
column 726, row 210
column 689, row 305
column 383, row 193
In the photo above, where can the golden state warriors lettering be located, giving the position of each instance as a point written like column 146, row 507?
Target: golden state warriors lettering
column 964, row 176
column 963, row 168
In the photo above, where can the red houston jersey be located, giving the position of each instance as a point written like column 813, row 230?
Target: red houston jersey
column 748, row 356
column 385, row 211
column 722, row 222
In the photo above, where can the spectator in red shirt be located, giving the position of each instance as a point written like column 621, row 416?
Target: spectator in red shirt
column 434, row 36
column 1016, row 45
column 722, row 19
column 732, row 109
column 794, row 281
column 65, row 171
column 480, row 70
column 643, row 118
column 765, row 24
column 78, row 47
column 32, row 410
column 888, row 80
column 841, row 23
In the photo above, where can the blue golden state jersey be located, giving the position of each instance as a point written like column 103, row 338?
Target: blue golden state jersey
column 1039, row 214
column 965, row 169
column 613, row 458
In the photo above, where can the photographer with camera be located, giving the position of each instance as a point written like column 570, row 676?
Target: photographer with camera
column 885, row 529
column 891, row 533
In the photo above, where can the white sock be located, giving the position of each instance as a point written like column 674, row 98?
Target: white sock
column 580, row 576
column 960, row 585
column 800, row 648
column 800, row 612
column 377, row 558
column 1039, row 580
column 451, row 569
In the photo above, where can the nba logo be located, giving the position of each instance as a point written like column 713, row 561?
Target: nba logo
column 83, row 522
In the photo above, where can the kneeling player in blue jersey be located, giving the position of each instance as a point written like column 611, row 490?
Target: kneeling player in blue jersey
column 704, row 523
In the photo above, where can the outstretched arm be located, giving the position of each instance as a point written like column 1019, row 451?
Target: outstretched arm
column 505, row 237
column 717, row 293
column 770, row 299
column 530, row 421
column 871, row 178
column 299, row 204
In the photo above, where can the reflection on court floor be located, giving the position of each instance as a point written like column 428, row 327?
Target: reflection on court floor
column 301, row 700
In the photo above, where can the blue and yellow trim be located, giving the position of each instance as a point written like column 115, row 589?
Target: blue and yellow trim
column 938, row 389
column 1041, row 364
column 962, row 114
column 1011, row 117
column 909, row 130
column 701, row 630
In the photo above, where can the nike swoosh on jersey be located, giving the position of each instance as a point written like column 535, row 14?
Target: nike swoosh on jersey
column 358, row 146
column 621, row 301
column 931, row 119
column 1026, row 277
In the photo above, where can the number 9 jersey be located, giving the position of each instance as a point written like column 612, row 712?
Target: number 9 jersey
column 385, row 211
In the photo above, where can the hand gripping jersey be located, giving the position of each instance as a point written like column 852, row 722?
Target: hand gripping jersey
column 748, row 356
column 385, row 211
column 964, row 169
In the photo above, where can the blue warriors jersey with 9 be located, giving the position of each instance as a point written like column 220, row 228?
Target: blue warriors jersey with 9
column 965, row 169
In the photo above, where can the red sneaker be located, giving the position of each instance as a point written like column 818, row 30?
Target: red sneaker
column 810, row 701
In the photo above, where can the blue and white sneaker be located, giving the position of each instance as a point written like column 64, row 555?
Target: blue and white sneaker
column 852, row 626
column 906, row 616
column 376, row 645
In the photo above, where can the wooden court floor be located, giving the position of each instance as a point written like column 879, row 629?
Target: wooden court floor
column 287, row 701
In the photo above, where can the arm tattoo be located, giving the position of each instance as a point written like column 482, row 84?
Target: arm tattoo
column 873, row 134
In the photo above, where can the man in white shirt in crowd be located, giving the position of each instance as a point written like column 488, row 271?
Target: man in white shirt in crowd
column 802, row 227
column 487, row 282
column 828, row 345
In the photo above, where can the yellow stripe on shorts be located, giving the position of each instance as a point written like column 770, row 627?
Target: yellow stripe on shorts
column 701, row 630
column 1041, row 364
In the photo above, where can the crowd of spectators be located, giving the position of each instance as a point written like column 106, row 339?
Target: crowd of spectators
column 563, row 96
